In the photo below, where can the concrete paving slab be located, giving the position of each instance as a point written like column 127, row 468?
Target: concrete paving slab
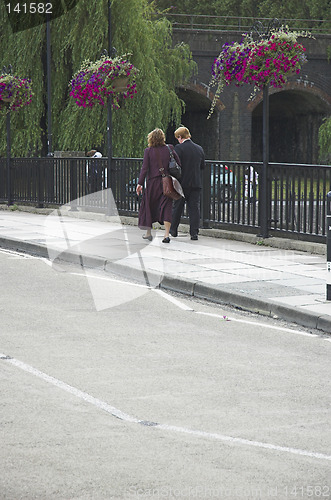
column 258, row 273
column 225, row 278
column 323, row 309
column 297, row 281
column 298, row 300
column 318, row 289
column 224, row 266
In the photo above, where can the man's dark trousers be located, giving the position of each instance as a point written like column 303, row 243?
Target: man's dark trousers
column 192, row 198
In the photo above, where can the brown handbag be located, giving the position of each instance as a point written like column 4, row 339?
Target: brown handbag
column 171, row 186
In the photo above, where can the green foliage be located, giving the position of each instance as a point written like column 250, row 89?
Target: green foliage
column 291, row 9
column 324, row 139
column 82, row 33
column 24, row 52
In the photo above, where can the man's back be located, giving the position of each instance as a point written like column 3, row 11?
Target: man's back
column 192, row 159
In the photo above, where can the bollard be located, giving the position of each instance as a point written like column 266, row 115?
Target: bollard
column 328, row 247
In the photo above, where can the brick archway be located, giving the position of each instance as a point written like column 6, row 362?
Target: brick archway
column 299, row 85
column 198, row 98
column 296, row 113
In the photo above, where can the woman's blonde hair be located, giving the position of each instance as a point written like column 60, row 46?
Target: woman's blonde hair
column 156, row 138
column 183, row 132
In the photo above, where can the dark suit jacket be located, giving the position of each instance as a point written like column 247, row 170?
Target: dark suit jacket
column 192, row 158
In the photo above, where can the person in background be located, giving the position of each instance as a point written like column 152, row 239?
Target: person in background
column 94, row 154
column 192, row 158
column 94, row 173
column 155, row 207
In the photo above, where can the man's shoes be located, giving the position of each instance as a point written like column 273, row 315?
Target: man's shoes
column 194, row 237
column 174, row 234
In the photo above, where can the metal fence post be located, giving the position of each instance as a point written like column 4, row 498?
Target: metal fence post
column 263, row 190
column 73, row 184
column 9, row 192
column 40, row 188
column 205, row 197
column 328, row 246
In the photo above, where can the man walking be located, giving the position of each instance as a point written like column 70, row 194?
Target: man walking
column 94, row 172
column 192, row 159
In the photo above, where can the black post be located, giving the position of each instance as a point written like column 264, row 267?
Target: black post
column 109, row 144
column 263, row 196
column 49, row 83
column 110, row 174
column 328, row 247
column 73, row 185
column 205, row 196
column 9, row 194
column 40, row 185
column 109, row 111
column 7, row 71
column 264, row 209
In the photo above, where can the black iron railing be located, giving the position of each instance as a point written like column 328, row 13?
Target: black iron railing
column 231, row 195
column 296, row 198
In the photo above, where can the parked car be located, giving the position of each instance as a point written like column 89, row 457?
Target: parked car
column 222, row 182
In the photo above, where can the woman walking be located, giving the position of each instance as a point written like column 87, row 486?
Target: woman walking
column 155, row 207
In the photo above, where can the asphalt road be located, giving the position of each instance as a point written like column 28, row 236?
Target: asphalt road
column 113, row 391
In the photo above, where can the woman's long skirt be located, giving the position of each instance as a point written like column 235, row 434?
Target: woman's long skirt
column 155, row 207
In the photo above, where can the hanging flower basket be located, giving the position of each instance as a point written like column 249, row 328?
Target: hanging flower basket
column 269, row 61
column 96, row 82
column 15, row 92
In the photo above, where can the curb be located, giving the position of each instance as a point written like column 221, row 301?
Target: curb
column 259, row 306
column 186, row 287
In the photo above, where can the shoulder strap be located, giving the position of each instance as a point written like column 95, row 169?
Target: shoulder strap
column 170, row 150
column 161, row 169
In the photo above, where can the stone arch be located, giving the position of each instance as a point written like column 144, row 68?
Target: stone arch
column 198, row 98
column 296, row 113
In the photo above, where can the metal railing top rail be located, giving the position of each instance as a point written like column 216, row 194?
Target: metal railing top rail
column 119, row 158
column 298, row 165
column 271, row 164
column 234, row 23
column 80, row 158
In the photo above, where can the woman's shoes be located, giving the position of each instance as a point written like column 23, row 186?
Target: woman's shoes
column 150, row 237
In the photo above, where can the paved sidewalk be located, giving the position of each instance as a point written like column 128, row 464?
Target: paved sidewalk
column 289, row 284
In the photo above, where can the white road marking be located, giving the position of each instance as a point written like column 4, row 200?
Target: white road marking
column 68, row 388
column 96, row 276
column 173, row 300
column 248, row 442
column 102, row 405
column 256, row 323
column 15, row 254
